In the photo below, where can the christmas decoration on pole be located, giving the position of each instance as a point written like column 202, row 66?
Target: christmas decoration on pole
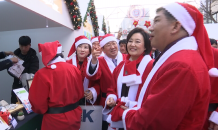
column 92, row 13
column 135, row 23
column 147, row 24
column 74, row 12
column 104, row 27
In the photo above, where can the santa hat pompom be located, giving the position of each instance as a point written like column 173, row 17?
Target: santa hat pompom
column 53, row 66
column 213, row 72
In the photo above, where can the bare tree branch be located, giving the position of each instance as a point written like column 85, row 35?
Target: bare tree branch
column 208, row 13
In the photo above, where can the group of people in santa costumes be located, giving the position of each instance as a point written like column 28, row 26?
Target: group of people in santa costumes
column 172, row 92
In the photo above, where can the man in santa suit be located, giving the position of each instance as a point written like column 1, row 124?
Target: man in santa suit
column 101, row 68
column 56, row 90
column 176, row 93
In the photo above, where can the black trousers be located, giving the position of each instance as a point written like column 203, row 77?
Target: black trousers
column 104, row 125
column 13, row 97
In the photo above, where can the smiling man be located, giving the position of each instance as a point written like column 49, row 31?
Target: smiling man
column 101, row 68
column 176, row 93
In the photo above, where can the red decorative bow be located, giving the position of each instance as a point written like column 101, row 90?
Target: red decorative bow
column 147, row 24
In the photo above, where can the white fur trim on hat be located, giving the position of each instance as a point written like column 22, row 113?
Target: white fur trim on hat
column 106, row 40
column 94, row 40
column 182, row 15
column 82, row 41
column 59, row 50
column 213, row 72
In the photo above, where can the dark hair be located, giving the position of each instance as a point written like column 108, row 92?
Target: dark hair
column 166, row 13
column 90, row 50
column 147, row 42
column 60, row 54
column 124, row 41
column 24, row 40
column 212, row 41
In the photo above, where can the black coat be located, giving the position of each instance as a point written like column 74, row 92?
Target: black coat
column 31, row 64
column 5, row 63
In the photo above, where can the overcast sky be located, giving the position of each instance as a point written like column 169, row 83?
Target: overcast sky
column 115, row 10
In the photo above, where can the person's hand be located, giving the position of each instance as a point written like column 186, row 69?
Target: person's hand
column 110, row 102
column 124, row 107
column 88, row 94
column 14, row 60
column 215, row 127
column 119, row 35
column 96, row 52
column 8, row 53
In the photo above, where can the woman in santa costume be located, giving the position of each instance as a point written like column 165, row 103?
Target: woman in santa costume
column 176, row 93
column 56, row 90
column 82, row 47
column 129, row 76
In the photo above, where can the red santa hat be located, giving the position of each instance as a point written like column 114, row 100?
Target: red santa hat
column 48, row 51
column 105, row 39
column 94, row 39
column 192, row 21
column 79, row 40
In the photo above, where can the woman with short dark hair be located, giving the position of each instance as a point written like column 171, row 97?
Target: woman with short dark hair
column 129, row 76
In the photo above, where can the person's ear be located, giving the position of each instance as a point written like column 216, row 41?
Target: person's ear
column 176, row 27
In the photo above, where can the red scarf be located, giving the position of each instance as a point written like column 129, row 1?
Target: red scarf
column 82, row 67
column 130, row 66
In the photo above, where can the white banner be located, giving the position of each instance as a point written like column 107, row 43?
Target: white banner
column 91, row 118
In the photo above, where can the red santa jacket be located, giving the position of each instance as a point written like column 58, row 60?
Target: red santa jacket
column 214, row 80
column 103, row 73
column 175, row 95
column 92, row 85
column 57, row 88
